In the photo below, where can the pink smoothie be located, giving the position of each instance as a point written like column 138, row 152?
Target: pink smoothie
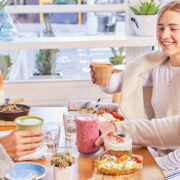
column 87, row 133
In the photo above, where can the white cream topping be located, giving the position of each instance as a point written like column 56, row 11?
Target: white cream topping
column 29, row 121
column 106, row 117
column 115, row 146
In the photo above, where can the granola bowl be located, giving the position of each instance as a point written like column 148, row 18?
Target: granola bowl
column 9, row 112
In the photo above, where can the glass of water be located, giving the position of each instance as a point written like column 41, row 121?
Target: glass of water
column 69, row 123
column 51, row 135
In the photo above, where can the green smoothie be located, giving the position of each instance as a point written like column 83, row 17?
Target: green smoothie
column 29, row 122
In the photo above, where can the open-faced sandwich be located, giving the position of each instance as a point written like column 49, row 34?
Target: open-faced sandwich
column 114, row 165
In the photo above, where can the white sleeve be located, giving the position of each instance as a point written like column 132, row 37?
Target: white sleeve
column 157, row 132
column 169, row 161
column 115, row 83
column 5, row 162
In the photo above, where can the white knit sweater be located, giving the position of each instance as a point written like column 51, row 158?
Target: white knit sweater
column 152, row 69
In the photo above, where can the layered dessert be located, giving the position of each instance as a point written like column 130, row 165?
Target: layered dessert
column 123, row 165
column 87, row 132
column 118, row 144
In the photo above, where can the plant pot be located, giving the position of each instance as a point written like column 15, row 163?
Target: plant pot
column 144, row 25
column 52, row 76
column 63, row 173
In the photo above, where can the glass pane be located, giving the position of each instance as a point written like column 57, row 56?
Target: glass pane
column 68, row 63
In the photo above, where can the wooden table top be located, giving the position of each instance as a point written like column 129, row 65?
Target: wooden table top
column 83, row 169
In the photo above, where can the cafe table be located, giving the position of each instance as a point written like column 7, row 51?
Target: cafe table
column 84, row 166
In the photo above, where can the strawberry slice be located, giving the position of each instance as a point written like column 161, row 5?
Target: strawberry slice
column 119, row 139
column 109, row 134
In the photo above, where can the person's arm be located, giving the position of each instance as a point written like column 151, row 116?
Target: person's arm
column 20, row 143
column 169, row 161
column 157, row 132
column 115, row 83
column 5, row 162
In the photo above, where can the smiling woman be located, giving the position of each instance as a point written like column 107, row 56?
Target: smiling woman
column 160, row 70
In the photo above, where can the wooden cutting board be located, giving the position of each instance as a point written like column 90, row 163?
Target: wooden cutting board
column 97, row 175
column 7, row 125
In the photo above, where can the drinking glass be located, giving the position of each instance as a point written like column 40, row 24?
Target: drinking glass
column 51, row 135
column 69, row 123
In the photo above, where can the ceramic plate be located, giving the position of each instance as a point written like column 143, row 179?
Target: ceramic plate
column 26, row 171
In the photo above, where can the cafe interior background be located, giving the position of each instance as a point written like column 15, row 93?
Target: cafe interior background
column 45, row 50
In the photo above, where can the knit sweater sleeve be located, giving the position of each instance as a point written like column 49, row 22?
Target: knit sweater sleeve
column 5, row 162
column 157, row 132
column 116, row 82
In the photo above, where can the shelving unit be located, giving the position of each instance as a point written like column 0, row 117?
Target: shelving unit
column 77, row 42
column 57, row 92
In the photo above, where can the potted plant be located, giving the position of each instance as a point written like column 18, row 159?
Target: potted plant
column 45, row 62
column 118, row 59
column 145, row 17
column 5, row 64
column 118, row 56
column 63, row 165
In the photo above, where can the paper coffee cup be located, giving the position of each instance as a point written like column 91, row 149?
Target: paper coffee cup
column 103, row 73
column 29, row 123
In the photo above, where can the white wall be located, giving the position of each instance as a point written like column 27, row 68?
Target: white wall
column 54, row 92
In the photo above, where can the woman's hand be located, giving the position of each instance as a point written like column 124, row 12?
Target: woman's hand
column 20, row 143
column 92, row 74
column 104, row 127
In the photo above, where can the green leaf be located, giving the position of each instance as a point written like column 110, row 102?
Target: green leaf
column 146, row 8
column 135, row 11
column 5, row 64
column 4, row 3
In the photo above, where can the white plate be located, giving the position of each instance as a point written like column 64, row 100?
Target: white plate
column 26, row 171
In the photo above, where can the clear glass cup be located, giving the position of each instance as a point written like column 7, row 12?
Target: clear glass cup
column 51, row 136
column 69, row 123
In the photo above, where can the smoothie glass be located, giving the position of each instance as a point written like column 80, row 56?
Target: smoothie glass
column 87, row 132
column 29, row 123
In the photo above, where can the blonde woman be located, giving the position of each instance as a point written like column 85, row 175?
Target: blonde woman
column 160, row 70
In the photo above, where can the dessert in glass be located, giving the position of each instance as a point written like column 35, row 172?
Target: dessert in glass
column 87, row 132
column 118, row 144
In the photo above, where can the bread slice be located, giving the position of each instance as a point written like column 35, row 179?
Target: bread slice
column 114, row 165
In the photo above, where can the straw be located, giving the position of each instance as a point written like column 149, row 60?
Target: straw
column 86, row 104
column 96, row 107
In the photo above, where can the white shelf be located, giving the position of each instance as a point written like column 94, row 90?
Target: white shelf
column 21, row 9
column 77, row 42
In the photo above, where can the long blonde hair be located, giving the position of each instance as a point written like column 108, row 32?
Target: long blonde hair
column 171, row 6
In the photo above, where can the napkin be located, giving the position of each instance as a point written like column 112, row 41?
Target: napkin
column 75, row 105
column 40, row 152
column 173, row 174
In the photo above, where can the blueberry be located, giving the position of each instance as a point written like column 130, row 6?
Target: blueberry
column 122, row 135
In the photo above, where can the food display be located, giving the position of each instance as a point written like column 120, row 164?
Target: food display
column 13, row 108
column 87, row 132
column 114, row 165
column 9, row 112
column 118, row 143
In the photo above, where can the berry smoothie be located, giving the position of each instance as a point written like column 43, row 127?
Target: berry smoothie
column 87, row 133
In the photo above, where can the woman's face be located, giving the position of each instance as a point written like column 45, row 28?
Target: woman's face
column 168, row 33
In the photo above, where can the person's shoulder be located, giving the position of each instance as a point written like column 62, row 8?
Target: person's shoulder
column 149, row 57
